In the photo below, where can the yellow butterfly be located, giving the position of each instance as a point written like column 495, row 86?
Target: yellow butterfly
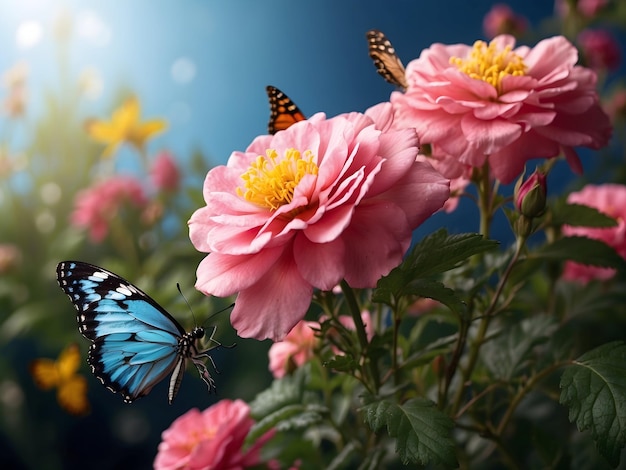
column 62, row 374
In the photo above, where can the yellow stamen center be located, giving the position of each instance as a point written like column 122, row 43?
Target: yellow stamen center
column 271, row 180
column 489, row 64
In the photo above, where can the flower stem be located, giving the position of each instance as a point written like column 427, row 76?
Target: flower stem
column 484, row 324
column 353, row 306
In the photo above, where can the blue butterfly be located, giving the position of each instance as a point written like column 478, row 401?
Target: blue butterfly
column 135, row 342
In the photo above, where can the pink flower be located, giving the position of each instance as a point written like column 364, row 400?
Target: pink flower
column 494, row 104
column 587, row 8
column 295, row 350
column 600, row 49
column 609, row 199
column 212, row 439
column 324, row 200
column 164, row 172
column 96, row 207
column 501, row 19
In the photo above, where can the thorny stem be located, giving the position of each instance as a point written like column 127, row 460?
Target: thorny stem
column 353, row 306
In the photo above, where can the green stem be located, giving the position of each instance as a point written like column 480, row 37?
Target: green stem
column 485, row 200
column 484, row 324
column 528, row 386
column 353, row 306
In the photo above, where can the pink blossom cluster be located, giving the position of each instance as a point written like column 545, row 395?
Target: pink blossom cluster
column 98, row 205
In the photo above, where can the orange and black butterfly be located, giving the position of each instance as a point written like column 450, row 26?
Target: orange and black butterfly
column 387, row 63
column 283, row 111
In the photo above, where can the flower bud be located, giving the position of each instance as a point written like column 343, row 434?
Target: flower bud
column 530, row 196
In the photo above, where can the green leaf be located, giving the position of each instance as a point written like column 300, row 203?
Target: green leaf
column 435, row 254
column 594, row 389
column 579, row 215
column 422, row 432
column 508, row 353
column 582, row 250
column 440, row 252
column 283, row 392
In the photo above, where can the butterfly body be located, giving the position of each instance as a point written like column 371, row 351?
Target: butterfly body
column 283, row 111
column 387, row 63
column 136, row 343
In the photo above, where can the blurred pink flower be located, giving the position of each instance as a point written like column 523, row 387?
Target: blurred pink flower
column 423, row 305
column 501, row 19
column 211, row 440
column 599, row 49
column 295, row 350
column 164, row 172
column 609, row 199
column 494, row 104
column 587, row 8
column 96, row 207
column 324, row 200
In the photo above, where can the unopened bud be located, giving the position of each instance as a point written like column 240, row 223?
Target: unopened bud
column 530, row 196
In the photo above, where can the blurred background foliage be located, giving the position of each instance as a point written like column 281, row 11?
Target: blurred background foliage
column 315, row 51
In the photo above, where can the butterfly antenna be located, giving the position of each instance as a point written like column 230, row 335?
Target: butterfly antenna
column 219, row 311
column 180, row 291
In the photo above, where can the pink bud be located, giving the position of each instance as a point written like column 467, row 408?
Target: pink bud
column 530, row 196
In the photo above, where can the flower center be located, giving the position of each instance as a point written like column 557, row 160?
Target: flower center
column 271, row 180
column 489, row 64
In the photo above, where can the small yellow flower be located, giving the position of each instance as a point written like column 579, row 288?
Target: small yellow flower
column 124, row 126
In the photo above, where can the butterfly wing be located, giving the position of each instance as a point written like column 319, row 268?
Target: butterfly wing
column 135, row 342
column 283, row 111
column 72, row 395
column 45, row 373
column 387, row 63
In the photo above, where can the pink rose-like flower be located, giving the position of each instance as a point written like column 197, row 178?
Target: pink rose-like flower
column 210, row 440
column 164, row 172
column 609, row 199
column 324, row 200
column 95, row 207
column 497, row 104
column 501, row 19
column 587, row 8
column 600, row 49
column 295, row 350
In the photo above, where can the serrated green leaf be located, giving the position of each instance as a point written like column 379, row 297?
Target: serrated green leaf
column 507, row 353
column 594, row 389
column 582, row 250
column 422, row 432
column 435, row 254
column 580, row 215
column 440, row 252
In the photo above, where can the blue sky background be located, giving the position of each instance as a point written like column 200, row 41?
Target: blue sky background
column 204, row 64
column 228, row 51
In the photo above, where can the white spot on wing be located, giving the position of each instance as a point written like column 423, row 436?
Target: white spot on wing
column 124, row 290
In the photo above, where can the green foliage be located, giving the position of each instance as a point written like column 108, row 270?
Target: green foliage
column 582, row 250
column 435, row 254
column 594, row 389
column 579, row 215
column 422, row 432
